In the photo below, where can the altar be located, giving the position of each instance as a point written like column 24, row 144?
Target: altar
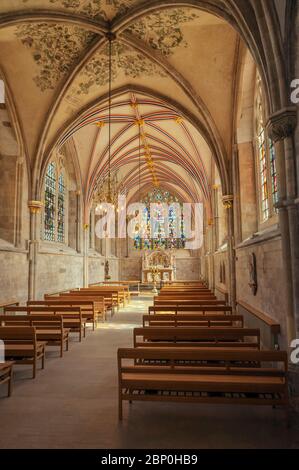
column 164, row 264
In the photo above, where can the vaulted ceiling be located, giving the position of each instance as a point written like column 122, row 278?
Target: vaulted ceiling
column 173, row 81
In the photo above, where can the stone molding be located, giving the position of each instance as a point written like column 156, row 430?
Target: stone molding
column 282, row 124
column 228, row 201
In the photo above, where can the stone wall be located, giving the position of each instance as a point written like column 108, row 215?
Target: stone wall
column 13, row 276
column 58, row 272
column 271, row 293
column 96, row 267
column 130, row 269
column 188, row 269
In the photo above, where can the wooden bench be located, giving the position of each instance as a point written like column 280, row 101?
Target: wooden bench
column 122, row 287
column 202, row 309
column 109, row 300
column 183, row 283
column 186, row 297
column 9, row 303
column 22, row 347
column 6, row 375
column 91, row 310
column 193, row 319
column 270, row 328
column 129, row 283
column 191, row 290
column 49, row 328
column 115, row 293
column 179, row 302
column 141, row 378
column 72, row 316
column 197, row 337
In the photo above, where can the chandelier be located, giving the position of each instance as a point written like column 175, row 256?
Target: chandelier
column 107, row 188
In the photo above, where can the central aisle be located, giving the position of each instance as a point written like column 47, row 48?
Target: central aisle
column 73, row 404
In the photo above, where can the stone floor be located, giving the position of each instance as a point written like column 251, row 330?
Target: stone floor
column 73, row 404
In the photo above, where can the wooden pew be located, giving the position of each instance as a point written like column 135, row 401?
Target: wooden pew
column 187, row 303
column 142, row 378
column 9, row 303
column 124, row 288
column 197, row 337
column 91, row 310
column 187, row 296
column 193, row 319
column 182, row 309
column 22, row 347
column 72, row 316
column 194, row 290
column 49, row 328
column 6, row 375
column 128, row 283
column 110, row 301
column 116, row 293
column 184, row 283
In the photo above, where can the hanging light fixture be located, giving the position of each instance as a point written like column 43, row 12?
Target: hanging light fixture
column 107, row 190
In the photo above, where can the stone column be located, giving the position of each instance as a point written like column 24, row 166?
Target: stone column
column 19, row 187
column 216, row 216
column 236, row 191
column 78, row 222
column 281, row 126
column 228, row 203
column 34, row 208
column 85, row 254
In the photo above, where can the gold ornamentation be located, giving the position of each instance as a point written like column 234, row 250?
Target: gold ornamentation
column 35, row 206
column 228, row 201
column 179, row 119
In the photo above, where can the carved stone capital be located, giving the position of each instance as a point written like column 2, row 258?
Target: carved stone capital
column 282, row 124
column 228, row 201
column 35, row 206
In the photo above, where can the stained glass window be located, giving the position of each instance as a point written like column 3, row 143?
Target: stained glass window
column 262, row 153
column 50, row 203
column 273, row 173
column 263, row 175
column 162, row 233
column 55, row 205
column 61, row 209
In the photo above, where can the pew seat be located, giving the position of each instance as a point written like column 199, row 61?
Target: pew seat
column 72, row 316
column 22, row 347
column 49, row 328
column 226, row 384
column 193, row 319
column 196, row 337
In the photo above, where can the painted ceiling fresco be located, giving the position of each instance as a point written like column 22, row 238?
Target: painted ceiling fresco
column 55, row 49
column 125, row 60
column 162, row 30
column 97, row 9
column 150, row 55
